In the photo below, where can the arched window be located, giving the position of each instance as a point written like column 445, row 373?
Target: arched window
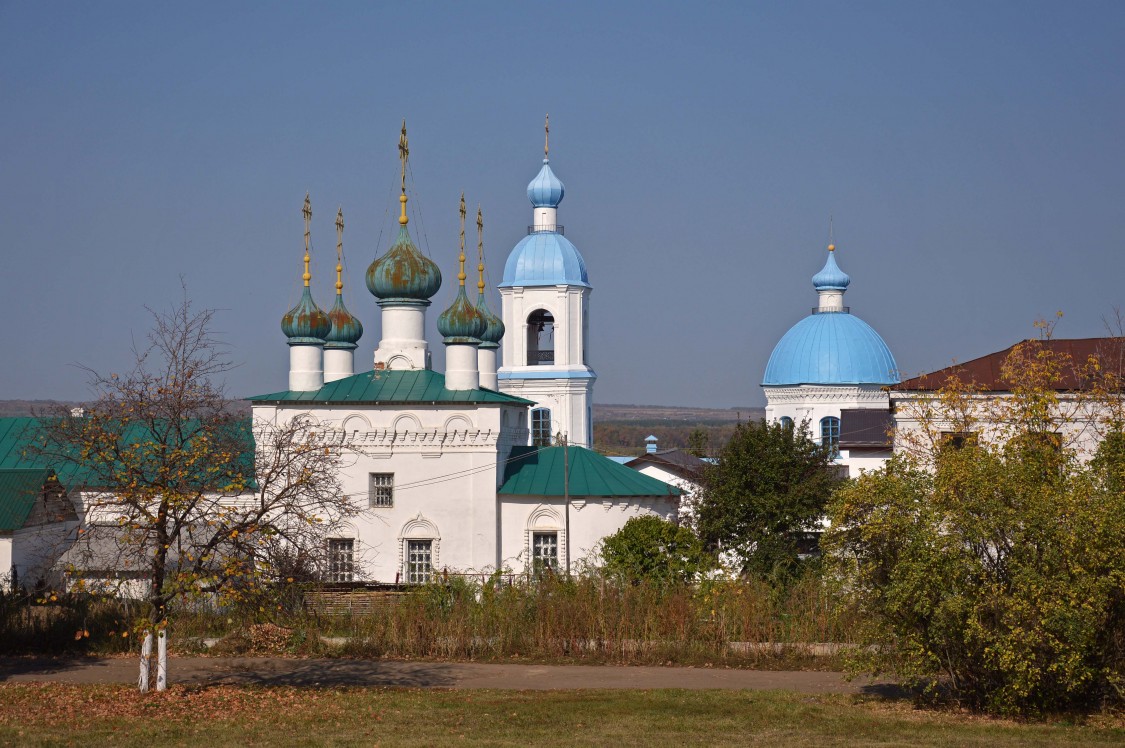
column 830, row 433
column 786, row 422
column 540, row 338
column 541, row 427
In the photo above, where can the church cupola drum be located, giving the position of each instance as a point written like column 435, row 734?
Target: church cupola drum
column 306, row 327
column 827, row 368
column 404, row 280
column 346, row 330
column 493, row 325
column 461, row 326
column 545, row 298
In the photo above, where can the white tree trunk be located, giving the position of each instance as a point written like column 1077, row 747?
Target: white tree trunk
column 146, row 662
column 162, row 660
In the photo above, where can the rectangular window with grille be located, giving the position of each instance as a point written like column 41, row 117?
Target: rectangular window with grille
column 419, row 561
column 541, row 427
column 381, row 490
column 545, row 550
column 341, row 559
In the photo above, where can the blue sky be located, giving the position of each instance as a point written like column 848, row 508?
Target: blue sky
column 970, row 155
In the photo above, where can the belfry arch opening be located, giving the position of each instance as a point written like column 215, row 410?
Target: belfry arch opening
column 540, row 338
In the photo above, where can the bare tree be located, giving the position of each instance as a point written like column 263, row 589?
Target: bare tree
column 182, row 490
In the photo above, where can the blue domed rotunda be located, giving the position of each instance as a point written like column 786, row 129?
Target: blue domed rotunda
column 831, row 346
column 828, row 367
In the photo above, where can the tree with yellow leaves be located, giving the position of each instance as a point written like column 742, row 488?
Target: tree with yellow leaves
column 988, row 556
column 182, row 495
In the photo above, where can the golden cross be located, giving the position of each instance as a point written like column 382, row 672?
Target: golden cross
column 403, row 154
column 461, row 259
column 339, row 251
column 307, row 213
column 480, row 250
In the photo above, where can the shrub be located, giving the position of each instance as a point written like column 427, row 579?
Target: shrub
column 653, row 549
column 992, row 568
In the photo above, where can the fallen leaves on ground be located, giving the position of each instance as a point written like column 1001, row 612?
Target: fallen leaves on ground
column 68, row 704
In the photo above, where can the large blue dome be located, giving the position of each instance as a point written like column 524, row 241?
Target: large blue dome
column 831, row 348
column 545, row 258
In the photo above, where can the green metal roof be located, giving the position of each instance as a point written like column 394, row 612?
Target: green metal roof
column 18, row 437
column 19, row 490
column 391, row 386
column 538, row 471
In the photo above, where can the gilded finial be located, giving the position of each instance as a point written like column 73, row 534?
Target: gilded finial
column 339, row 251
column 831, row 247
column 547, row 135
column 403, row 155
column 461, row 259
column 307, row 212
column 480, row 250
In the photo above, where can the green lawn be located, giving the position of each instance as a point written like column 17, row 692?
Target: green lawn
column 57, row 714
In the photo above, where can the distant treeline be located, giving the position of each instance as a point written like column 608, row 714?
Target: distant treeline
column 628, row 437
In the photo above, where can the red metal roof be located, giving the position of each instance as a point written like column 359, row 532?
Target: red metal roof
column 985, row 372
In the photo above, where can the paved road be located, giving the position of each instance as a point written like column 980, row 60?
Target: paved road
column 343, row 672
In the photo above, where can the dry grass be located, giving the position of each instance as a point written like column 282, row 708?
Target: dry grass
column 58, row 714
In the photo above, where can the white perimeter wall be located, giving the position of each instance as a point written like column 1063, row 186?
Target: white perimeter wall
column 590, row 520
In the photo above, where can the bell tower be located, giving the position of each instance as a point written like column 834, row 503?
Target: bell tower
column 545, row 304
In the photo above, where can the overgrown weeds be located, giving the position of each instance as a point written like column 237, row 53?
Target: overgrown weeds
column 551, row 618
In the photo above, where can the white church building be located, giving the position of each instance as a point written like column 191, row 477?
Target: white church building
column 460, row 471
column 832, row 371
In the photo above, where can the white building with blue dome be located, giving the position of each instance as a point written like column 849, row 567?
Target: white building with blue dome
column 545, row 299
column 832, row 370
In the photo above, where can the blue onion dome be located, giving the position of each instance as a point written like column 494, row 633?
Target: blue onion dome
column 545, row 259
column 493, row 325
column 403, row 273
column 305, row 324
column 346, row 329
column 461, row 322
column 835, row 348
column 546, row 190
column 831, row 277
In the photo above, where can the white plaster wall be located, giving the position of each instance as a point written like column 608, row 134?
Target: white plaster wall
column 5, row 561
column 815, row 402
column 36, row 549
column 569, row 393
column 1078, row 426
column 447, row 462
column 338, row 363
column 306, row 367
column 686, row 510
column 591, row 520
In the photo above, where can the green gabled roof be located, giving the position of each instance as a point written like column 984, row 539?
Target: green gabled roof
column 391, row 386
column 19, row 489
column 536, row 471
column 19, row 436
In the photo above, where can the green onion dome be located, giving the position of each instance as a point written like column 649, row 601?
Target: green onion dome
column 461, row 322
column 305, row 324
column 403, row 273
column 493, row 325
column 346, row 329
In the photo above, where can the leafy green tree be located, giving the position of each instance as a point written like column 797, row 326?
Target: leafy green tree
column 765, row 495
column 989, row 565
column 649, row 548
column 698, row 442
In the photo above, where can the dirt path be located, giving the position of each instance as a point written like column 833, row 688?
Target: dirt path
column 341, row 672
